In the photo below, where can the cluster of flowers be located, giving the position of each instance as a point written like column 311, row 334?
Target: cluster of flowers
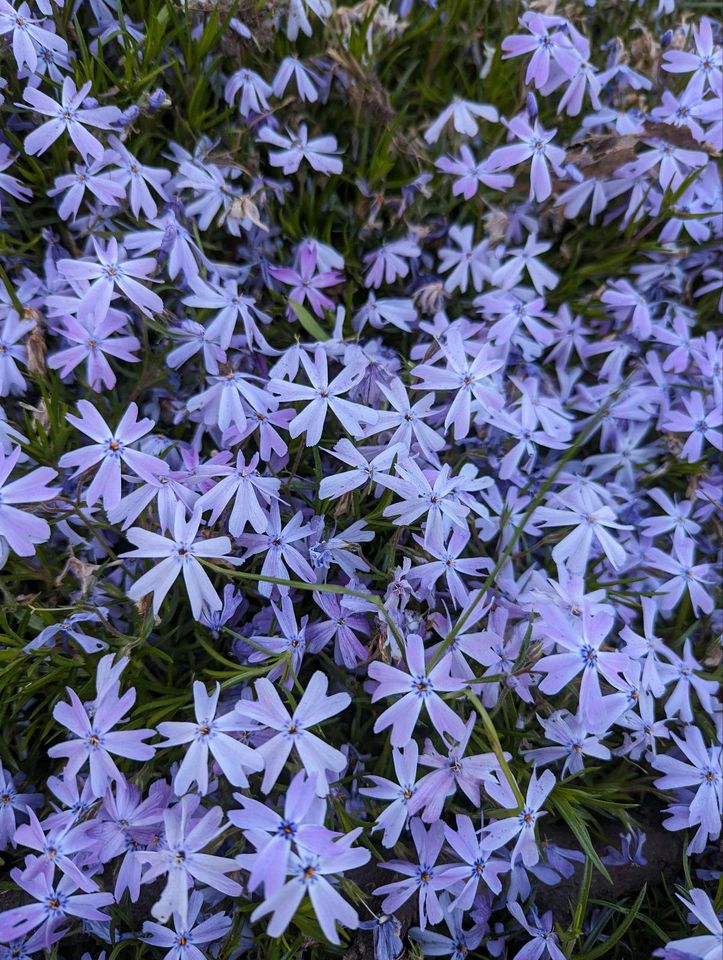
column 475, row 484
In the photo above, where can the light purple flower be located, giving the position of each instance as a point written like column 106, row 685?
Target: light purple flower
column 182, row 862
column 184, row 941
column 319, row 152
column 315, row 706
column 419, row 687
column 54, row 903
column 178, row 554
column 582, row 642
column 522, row 824
column 111, row 269
column 321, row 397
column 95, row 740
column 68, row 115
column 111, row 448
column 535, row 144
column 21, row 531
column 209, row 734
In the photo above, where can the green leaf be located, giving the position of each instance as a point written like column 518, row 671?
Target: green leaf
column 309, row 323
column 619, row 932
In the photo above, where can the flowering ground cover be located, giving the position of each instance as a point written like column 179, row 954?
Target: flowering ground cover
column 360, row 486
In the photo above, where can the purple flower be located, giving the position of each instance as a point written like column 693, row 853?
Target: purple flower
column 462, row 113
column 389, row 262
column 178, row 553
column 448, row 563
column 54, row 904
column 135, row 178
column 209, row 733
column 469, row 378
column 685, row 574
column 706, row 946
column 575, row 742
column 27, row 35
column 58, row 848
column 546, row 47
column 278, row 836
column 9, row 184
column 544, row 942
column 91, row 342
column 699, row 423
column 630, row 853
column 278, row 544
column 365, row 471
column 254, row 92
column 21, row 531
column 183, row 942
column 425, row 878
column 92, row 177
column 181, row 861
column 12, row 352
column 591, row 521
column 110, row 270
column 535, row 144
column 476, row 866
column 704, row 63
column 582, row 643
column 95, row 740
column 342, row 626
column 293, row 730
column 451, row 772
column 251, row 493
column 68, row 115
column 701, row 770
column 14, row 804
column 306, row 283
column 395, row 815
column 419, row 688
column 321, row 397
column 470, row 174
column 317, row 151
column 522, row 824
column 111, row 448
column 232, row 306
column 309, row 872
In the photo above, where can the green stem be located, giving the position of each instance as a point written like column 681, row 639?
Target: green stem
column 496, row 745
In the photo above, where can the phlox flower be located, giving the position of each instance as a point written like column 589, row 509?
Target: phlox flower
column 545, row 46
column 21, row 531
column 181, row 861
column 209, row 733
column 462, row 114
column 425, row 878
column 95, row 740
column 535, row 144
column 699, row 769
column 27, row 35
column 308, row 877
column 582, row 643
column 68, row 115
column 276, row 836
column 184, row 941
column 419, row 688
column 395, row 815
column 706, row 946
column 322, row 396
column 278, row 545
column 319, row 152
column 14, row 805
column 111, row 448
column 522, row 824
column 54, row 903
column 178, row 554
column 293, row 730
column 92, row 342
